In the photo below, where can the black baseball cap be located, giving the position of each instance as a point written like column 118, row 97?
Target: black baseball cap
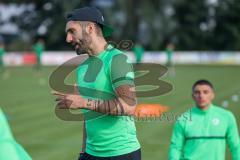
column 91, row 14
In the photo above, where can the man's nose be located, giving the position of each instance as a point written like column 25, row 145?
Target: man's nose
column 69, row 38
column 201, row 95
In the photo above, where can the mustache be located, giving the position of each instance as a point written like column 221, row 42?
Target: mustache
column 79, row 47
column 75, row 43
column 80, row 43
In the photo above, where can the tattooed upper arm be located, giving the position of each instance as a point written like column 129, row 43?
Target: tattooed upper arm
column 127, row 93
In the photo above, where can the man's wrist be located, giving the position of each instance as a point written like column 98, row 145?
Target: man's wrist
column 88, row 104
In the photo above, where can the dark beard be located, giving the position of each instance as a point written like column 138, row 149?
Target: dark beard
column 82, row 48
column 84, row 44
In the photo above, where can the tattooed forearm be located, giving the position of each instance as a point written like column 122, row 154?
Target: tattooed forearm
column 124, row 104
column 113, row 107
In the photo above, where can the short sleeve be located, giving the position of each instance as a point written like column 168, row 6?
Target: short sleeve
column 121, row 71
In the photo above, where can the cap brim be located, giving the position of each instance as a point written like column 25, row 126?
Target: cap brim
column 107, row 31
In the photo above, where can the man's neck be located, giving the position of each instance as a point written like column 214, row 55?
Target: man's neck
column 98, row 45
column 204, row 108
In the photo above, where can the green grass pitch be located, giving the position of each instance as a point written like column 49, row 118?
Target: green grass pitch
column 26, row 99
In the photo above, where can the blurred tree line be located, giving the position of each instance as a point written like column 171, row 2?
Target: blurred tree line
column 190, row 25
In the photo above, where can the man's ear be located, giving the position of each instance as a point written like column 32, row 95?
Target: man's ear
column 90, row 28
column 213, row 95
column 192, row 95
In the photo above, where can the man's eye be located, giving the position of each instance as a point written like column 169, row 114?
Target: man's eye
column 196, row 92
column 70, row 31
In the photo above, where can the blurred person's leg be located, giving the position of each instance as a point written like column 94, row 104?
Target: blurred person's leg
column 2, row 69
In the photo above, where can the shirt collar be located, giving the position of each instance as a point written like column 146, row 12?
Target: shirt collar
column 204, row 111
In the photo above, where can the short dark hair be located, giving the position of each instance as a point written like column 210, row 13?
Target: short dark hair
column 202, row 82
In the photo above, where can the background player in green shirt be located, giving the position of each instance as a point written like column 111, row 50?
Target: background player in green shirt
column 202, row 133
column 2, row 51
column 9, row 148
column 105, row 81
column 170, row 64
column 138, row 51
column 38, row 49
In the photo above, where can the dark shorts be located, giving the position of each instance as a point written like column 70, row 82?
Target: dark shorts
column 136, row 155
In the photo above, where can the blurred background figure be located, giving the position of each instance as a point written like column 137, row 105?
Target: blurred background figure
column 9, row 148
column 38, row 48
column 204, row 126
column 138, row 51
column 2, row 52
column 169, row 63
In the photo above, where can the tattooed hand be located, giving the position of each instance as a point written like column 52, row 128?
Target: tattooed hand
column 73, row 101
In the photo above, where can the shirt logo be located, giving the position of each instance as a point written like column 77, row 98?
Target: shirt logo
column 215, row 121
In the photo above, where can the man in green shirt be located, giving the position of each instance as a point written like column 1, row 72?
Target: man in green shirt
column 9, row 148
column 105, row 83
column 138, row 51
column 38, row 49
column 2, row 52
column 204, row 132
column 169, row 53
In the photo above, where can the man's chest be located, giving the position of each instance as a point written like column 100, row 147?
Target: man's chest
column 206, row 126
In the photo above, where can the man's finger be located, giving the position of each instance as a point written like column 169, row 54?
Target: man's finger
column 62, row 105
column 58, row 93
column 59, row 99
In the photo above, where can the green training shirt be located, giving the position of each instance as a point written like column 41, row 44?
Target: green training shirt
column 138, row 51
column 9, row 148
column 202, row 135
column 2, row 51
column 97, row 78
column 38, row 48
